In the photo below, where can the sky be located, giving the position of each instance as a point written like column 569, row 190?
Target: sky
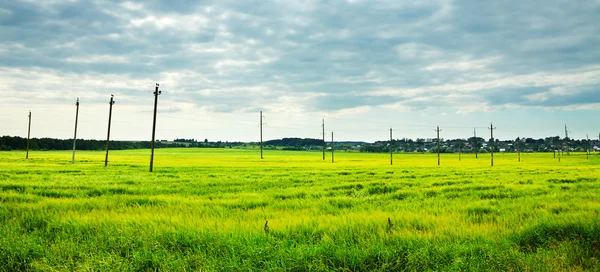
column 527, row 67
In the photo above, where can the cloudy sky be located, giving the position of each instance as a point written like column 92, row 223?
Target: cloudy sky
column 530, row 67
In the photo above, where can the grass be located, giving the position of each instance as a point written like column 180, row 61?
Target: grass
column 205, row 209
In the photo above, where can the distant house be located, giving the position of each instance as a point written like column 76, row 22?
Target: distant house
column 502, row 149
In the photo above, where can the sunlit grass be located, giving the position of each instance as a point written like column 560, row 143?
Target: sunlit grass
column 205, row 209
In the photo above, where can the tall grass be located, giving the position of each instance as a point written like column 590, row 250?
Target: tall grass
column 205, row 209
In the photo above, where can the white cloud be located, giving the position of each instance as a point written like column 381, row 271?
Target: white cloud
column 415, row 50
column 288, row 57
column 578, row 77
column 132, row 6
column 98, row 59
column 538, row 97
column 463, row 64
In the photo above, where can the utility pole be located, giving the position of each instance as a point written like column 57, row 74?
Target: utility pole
column 459, row 149
column 587, row 149
column 111, row 103
column 567, row 140
column 391, row 148
column 438, row 144
column 324, row 144
column 554, row 149
column 75, row 135
column 559, row 151
column 475, row 142
column 519, row 148
column 156, row 94
column 28, row 135
column 332, row 147
column 492, row 141
column 261, row 138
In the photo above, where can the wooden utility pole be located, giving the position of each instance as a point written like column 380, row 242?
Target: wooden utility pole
column 156, row 94
column 559, row 154
column 28, row 135
column 332, row 147
column 75, row 134
column 519, row 148
column 492, row 141
column 459, row 149
column 587, row 149
column 438, row 144
column 475, row 142
column 111, row 103
column 324, row 144
column 554, row 149
column 261, row 138
column 391, row 149
column 567, row 140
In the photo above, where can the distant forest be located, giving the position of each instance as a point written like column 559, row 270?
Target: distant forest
column 295, row 142
column 398, row 145
column 18, row 143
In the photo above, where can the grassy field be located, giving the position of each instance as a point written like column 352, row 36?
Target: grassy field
column 205, row 209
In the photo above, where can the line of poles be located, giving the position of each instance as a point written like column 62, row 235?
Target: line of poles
column 261, row 124
column 437, row 130
column 111, row 103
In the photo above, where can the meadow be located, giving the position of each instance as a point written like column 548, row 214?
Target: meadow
column 206, row 209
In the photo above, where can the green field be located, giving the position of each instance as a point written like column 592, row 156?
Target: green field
column 205, row 209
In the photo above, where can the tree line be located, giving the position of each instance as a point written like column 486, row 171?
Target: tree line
column 473, row 144
column 8, row 143
column 18, row 143
column 478, row 144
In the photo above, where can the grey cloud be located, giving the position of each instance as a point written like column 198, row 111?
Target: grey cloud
column 340, row 50
column 511, row 95
column 543, row 96
column 338, row 102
